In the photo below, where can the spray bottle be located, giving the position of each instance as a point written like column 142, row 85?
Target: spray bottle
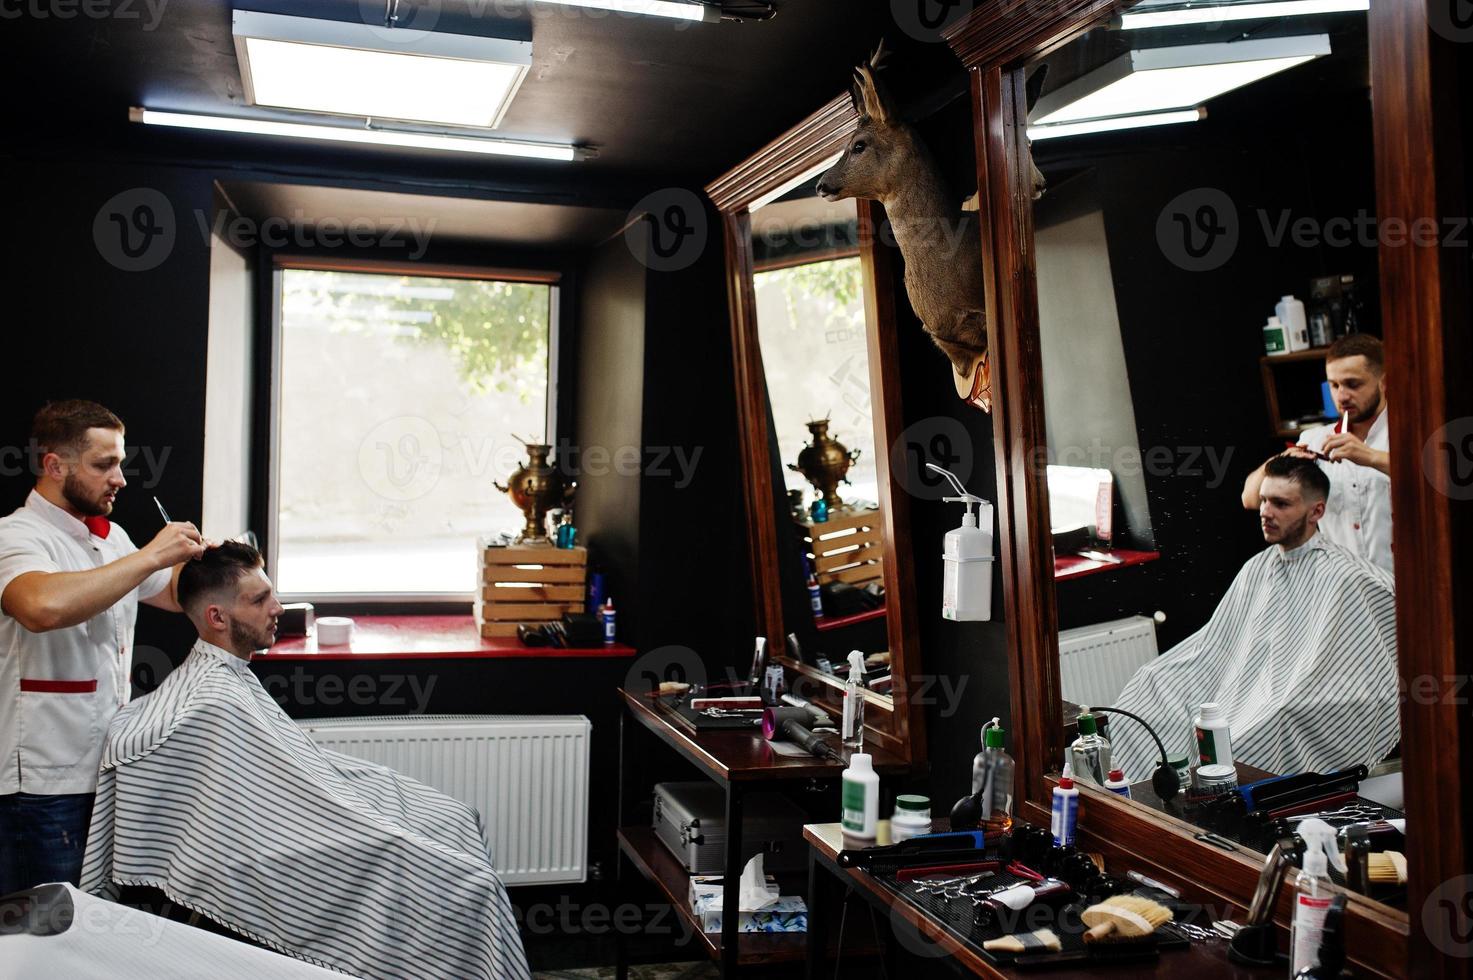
column 1312, row 894
column 966, row 588
column 853, row 721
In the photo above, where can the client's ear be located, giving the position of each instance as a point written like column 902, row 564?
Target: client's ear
column 215, row 617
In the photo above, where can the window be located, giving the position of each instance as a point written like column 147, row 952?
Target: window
column 400, row 399
column 810, row 323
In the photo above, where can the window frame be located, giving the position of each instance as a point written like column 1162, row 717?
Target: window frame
column 266, row 491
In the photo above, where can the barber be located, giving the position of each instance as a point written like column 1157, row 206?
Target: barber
column 70, row 584
column 1357, row 460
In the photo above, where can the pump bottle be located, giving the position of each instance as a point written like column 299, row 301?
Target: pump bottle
column 853, row 720
column 992, row 781
column 966, row 584
column 1312, row 894
column 1090, row 752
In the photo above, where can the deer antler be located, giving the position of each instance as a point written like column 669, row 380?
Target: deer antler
column 870, row 97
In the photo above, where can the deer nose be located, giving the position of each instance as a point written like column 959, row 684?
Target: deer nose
column 823, row 189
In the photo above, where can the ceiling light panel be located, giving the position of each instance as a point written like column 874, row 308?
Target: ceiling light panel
column 361, row 70
column 1148, row 15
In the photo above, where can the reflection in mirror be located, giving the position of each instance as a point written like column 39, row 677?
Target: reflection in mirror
column 812, row 331
column 1216, row 417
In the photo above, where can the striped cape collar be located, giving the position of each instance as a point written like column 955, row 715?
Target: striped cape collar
column 1315, row 543
column 212, row 652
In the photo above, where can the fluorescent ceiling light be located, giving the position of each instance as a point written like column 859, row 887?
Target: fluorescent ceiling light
column 344, row 134
column 652, row 8
column 810, row 174
column 1168, row 15
column 1037, row 133
column 385, row 73
column 1159, row 79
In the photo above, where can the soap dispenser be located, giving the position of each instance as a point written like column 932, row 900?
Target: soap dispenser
column 966, row 587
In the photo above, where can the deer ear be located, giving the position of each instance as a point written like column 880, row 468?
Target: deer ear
column 1034, row 86
column 876, row 100
column 856, row 95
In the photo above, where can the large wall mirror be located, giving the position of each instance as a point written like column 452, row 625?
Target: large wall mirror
column 813, row 332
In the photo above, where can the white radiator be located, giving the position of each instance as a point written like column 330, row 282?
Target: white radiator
column 1095, row 662
column 527, row 775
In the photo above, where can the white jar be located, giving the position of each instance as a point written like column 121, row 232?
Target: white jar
column 1214, row 738
column 912, row 818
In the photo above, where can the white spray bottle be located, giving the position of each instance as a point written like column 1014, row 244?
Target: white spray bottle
column 1312, row 894
column 852, row 731
column 966, row 587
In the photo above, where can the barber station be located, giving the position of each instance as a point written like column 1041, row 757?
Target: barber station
column 693, row 489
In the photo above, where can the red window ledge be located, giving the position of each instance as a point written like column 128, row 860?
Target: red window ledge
column 425, row 637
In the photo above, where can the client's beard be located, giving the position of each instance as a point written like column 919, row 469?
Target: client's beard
column 75, row 495
column 1295, row 534
column 243, row 640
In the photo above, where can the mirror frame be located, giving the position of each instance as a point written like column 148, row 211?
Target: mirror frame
column 897, row 723
column 1426, row 312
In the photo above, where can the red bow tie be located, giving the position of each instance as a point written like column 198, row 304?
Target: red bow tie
column 99, row 526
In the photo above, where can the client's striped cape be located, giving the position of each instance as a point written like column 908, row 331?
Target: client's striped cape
column 1300, row 653
column 210, row 793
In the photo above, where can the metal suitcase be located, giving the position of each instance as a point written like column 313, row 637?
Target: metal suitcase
column 690, row 819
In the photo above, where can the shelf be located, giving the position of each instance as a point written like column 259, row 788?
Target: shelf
column 839, row 622
column 424, row 638
column 1077, row 566
column 656, row 863
column 1313, row 354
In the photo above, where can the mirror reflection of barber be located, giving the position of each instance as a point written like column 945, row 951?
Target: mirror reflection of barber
column 1356, row 459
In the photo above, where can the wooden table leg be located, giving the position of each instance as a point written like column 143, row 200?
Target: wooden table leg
column 818, row 882
column 731, row 888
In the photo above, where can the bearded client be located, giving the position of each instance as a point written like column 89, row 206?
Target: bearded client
column 1300, row 653
column 209, row 792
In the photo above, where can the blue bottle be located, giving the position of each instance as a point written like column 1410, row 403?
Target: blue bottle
column 607, row 614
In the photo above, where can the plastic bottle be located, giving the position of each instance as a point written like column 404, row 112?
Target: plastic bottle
column 1275, row 337
column 1066, row 808
column 852, row 728
column 1214, row 738
column 912, row 818
column 1290, row 312
column 607, row 615
column 815, row 596
column 1117, row 783
column 992, row 781
column 1312, row 894
column 860, row 797
column 966, row 582
column 1090, row 752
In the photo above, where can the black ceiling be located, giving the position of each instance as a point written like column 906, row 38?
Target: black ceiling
column 664, row 103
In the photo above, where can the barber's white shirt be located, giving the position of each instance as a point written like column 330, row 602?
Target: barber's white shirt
column 59, row 689
column 1358, row 513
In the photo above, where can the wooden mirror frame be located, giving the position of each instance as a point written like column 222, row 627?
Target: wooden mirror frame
column 895, row 722
column 1426, row 310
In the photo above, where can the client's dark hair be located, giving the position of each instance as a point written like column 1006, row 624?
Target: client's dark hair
column 1311, row 479
column 219, row 567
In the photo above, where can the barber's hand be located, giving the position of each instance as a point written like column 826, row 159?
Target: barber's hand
column 179, row 541
column 1348, row 446
column 1303, row 452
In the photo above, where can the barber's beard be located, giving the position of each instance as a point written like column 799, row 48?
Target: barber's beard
column 1370, row 412
column 76, row 495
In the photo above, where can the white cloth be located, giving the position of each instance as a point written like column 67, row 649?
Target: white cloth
column 51, row 733
column 212, row 794
column 79, row 937
column 1300, row 653
column 1358, row 513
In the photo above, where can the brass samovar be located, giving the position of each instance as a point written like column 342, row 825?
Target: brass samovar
column 536, row 487
column 825, row 462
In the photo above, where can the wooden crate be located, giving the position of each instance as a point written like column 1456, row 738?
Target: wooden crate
column 528, row 585
column 848, row 547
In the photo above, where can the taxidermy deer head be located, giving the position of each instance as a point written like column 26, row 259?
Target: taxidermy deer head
column 886, row 161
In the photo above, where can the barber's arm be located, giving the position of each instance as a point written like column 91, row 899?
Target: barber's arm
column 42, row 601
column 1347, row 446
column 1255, row 479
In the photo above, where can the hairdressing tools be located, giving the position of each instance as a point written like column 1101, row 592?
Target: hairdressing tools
column 162, row 513
column 1352, row 813
column 952, row 848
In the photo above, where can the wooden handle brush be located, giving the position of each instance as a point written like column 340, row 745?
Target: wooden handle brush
column 1124, row 917
column 1388, row 868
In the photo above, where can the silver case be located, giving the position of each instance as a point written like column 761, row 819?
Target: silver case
column 690, row 819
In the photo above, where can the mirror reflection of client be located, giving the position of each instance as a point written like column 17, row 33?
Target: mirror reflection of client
column 209, row 792
column 1301, row 652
